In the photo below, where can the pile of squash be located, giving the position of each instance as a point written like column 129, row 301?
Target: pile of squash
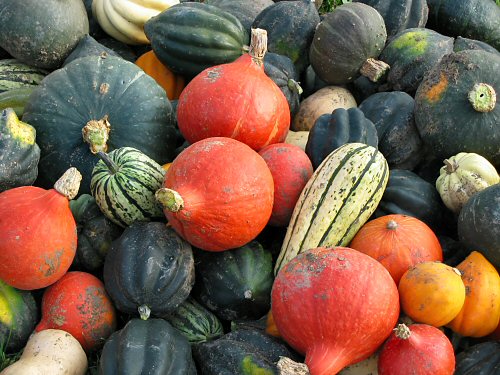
column 249, row 187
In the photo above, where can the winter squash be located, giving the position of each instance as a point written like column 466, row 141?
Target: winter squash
column 124, row 19
column 245, row 11
column 431, row 293
column 354, row 290
column 15, row 99
column 330, row 131
column 291, row 169
column 398, row 242
column 78, row 304
column 190, row 37
column 150, row 346
column 20, row 152
column 481, row 359
column 35, row 253
column 462, row 176
column 102, row 89
column 480, row 313
column 17, row 75
column 123, row 184
column 172, row 83
column 466, row 43
column 338, row 57
column 231, row 209
column 51, row 351
column 297, row 138
column 88, row 46
column 236, row 100
column 149, row 270
column 424, row 349
column 45, row 35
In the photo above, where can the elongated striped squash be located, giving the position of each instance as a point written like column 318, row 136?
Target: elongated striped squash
column 338, row 199
column 15, row 99
column 123, row 185
column 15, row 74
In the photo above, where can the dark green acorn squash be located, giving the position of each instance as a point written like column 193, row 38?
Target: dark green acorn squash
column 398, row 138
column 235, row 284
column 244, row 351
column 106, row 96
column 195, row 322
column 190, row 37
column 456, row 107
column 290, row 29
column 149, row 269
column 479, row 359
column 95, row 29
column 19, row 151
column 346, row 42
column 18, row 317
column 454, row 251
column 16, row 75
column 88, row 46
column 330, row 131
column 95, row 233
column 479, row 223
column 399, row 15
column 466, row 43
column 475, row 19
column 244, row 10
column 411, row 54
column 42, row 33
column 150, row 347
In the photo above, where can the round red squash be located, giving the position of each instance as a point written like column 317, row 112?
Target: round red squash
column 79, row 305
column 236, row 100
column 398, row 242
column 218, row 194
column 335, row 305
column 38, row 235
column 291, row 169
column 418, row 349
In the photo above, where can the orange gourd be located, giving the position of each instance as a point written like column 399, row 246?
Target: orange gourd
column 172, row 83
column 432, row 293
column 398, row 242
column 480, row 313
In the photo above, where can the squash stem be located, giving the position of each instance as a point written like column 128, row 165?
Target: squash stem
column 96, row 134
column 482, row 97
column 450, row 166
column 113, row 168
column 144, row 312
column 294, row 86
column 258, row 46
column 287, row 366
column 374, row 69
column 69, row 183
column 169, row 199
column 391, row 225
column 402, row 331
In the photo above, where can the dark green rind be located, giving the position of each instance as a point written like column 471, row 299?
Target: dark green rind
column 466, row 43
column 235, row 284
column 190, row 37
column 88, row 46
column 398, row 138
column 479, row 359
column 150, row 347
column 138, row 110
column 479, row 223
column 15, row 75
column 16, row 99
column 149, row 265
column 411, row 54
column 244, row 10
column 337, row 55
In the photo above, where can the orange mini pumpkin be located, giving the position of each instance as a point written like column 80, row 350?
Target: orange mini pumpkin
column 172, row 83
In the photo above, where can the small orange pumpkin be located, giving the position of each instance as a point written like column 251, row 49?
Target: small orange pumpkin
column 172, row 83
column 480, row 313
column 432, row 293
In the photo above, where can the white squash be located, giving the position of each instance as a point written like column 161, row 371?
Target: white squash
column 297, row 138
column 50, row 352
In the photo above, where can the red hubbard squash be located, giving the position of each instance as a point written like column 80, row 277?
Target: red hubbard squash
column 38, row 233
column 217, row 194
column 335, row 305
column 291, row 169
column 398, row 242
column 78, row 304
column 236, row 100
column 418, row 349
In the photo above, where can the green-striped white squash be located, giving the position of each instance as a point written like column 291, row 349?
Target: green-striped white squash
column 15, row 74
column 338, row 199
column 124, row 183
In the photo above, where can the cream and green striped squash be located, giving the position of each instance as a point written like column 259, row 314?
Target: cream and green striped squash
column 15, row 74
column 338, row 199
column 124, row 183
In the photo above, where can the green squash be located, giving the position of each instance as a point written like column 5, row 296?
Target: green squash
column 18, row 317
column 244, row 10
column 466, row 43
column 149, row 270
column 190, row 37
column 456, row 106
column 478, row 223
column 19, row 151
column 88, row 46
column 16, row 99
column 95, row 233
column 481, row 358
column 16, row 75
column 235, row 284
column 150, row 347
column 330, row 131
column 124, row 183
column 109, row 99
column 42, row 33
